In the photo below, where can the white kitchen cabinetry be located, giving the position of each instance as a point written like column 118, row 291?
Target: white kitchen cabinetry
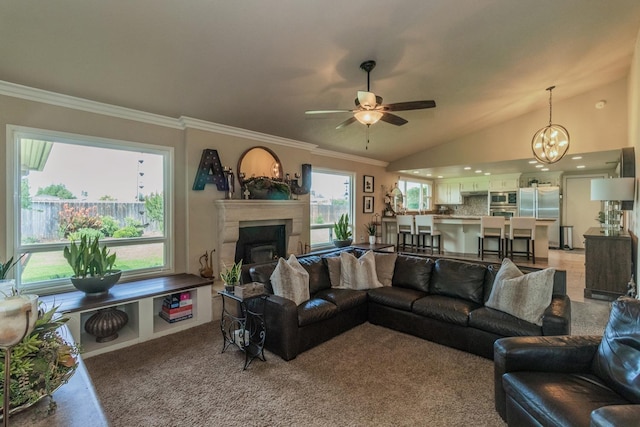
column 509, row 182
column 142, row 301
column 474, row 185
column 448, row 193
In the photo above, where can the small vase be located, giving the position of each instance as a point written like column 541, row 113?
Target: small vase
column 229, row 288
column 105, row 324
column 372, row 240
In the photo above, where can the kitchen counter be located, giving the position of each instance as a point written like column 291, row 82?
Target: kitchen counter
column 460, row 234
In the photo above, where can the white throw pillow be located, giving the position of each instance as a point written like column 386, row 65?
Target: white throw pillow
column 525, row 296
column 358, row 273
column 290, row 280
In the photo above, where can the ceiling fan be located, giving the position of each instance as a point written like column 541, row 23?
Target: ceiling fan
column 370, row 109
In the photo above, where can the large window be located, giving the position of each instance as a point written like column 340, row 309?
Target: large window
column 417, row 194
column 331, row 196
column 67, row 186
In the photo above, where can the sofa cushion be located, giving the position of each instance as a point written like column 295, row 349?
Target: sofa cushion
column 559, row 399
column 318, row 273
column 358, row 273
column 395, row 297
column 262, row 273
column 344, row 299
column 501, row 323
column 446, row 309
column 526, row 296
column 413, row 273
column 617, row 361
column 315, row 310
column 458, row 279
column 333, row 267
column 385, row 265
column 290, row 280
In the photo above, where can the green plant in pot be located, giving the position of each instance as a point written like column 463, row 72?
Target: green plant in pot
column 92, row 266
column 231, row 276
column 7, row 286
column 342, row 232
column 371, row 228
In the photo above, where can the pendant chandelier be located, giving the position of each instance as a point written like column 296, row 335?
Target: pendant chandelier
column 551, row 142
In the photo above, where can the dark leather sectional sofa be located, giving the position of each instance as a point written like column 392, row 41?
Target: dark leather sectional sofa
column 438, row 299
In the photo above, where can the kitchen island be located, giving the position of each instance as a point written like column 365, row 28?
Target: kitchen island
column 460, row 234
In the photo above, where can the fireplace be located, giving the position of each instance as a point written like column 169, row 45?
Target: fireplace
column 260, row 243
column 231, row 216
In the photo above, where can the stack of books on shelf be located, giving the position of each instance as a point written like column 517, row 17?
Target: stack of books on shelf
column 177, row 307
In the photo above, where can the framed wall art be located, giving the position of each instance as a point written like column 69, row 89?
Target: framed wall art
column 367, row 204
column 367, row 184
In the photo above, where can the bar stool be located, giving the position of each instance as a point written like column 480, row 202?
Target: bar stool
column 425, row 228
column 406, row 227
column 522, row 228
column 491, row 227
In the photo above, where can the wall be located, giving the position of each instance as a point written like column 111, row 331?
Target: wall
column 193, row 219
column 634, row 141
column 591, row 130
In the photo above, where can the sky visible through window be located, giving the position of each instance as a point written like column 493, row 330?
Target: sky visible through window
column 94, row 172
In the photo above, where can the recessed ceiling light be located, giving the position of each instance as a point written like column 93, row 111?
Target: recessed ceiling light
column 416, row 171
column 533, row 162
column 487, row 173
column 580, row 167
column 428, row 174
column 467, row 168
column 539, row 166
column 439, row 176
column 576, row 157
column 478, row 171
column 544, row 169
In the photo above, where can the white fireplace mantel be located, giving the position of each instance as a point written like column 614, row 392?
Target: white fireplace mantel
column 231, row 215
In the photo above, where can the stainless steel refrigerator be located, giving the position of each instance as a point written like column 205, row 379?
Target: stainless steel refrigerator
column 542, row 202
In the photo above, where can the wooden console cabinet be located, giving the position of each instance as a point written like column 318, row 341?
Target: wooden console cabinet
column 608, row 264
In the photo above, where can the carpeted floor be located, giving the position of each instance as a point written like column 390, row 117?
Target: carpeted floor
column 368, row 376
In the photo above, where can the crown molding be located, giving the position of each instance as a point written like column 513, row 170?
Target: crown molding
column 189, row 122
column 54, row 98
column 351, row 157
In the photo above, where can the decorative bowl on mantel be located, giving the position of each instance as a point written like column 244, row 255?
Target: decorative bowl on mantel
column 263, row 188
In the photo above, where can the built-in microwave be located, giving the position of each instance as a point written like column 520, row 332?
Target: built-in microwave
column 504, row 199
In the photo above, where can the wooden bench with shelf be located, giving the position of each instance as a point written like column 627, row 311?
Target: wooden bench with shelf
column 142, row 301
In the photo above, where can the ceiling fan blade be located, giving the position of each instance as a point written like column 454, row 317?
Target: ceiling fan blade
column 393, row 119
column 346, row 122
column 411, row 105
column 327, row 111
column 366, row 99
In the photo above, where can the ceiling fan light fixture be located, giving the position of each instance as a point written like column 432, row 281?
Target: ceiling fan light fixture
column 550, row 143
column 368, row 117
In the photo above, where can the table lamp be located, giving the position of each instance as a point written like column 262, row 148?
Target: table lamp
column 18, row 315
column 612, row 191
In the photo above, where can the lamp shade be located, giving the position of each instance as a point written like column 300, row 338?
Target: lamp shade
column 612, row 189
column 368, row 117
column 18, row 315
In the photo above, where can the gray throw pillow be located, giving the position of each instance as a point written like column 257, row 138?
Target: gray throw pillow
column 333, row 264
column 385, row 266
column 358, row 273
column 525, row 296
column 290, row 280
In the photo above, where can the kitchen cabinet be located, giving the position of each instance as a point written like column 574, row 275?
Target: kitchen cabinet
column 508, row 182
column 448, row 193
column 473, row 185
column 608, row 264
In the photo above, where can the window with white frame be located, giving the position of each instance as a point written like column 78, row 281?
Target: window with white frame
column 68, row 186
column 331, row 196
column 417, row 194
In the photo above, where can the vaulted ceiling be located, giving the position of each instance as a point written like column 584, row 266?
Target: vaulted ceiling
column 259, row 65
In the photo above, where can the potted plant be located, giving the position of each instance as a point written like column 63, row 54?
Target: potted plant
column 6, row 286
column 370, row 228
column 231, row 276
column 92, row 266
column 40, row 363
column 342, row 234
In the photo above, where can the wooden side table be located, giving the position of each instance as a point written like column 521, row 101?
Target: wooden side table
column 608, row 264
column 246, row 329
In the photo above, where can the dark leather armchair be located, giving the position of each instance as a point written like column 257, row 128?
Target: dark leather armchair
column 572, row 380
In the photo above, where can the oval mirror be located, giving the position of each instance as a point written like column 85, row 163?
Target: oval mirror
column 259, row 161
